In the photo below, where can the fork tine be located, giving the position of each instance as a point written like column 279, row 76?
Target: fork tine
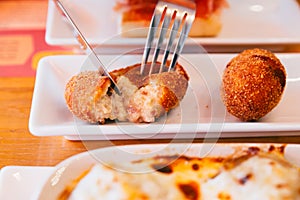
column 180, row 13
column 151, row 34
column 188, row 21
column 162, row 36
column 173, row 34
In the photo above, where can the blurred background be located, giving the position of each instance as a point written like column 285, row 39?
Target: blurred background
column 22, row 37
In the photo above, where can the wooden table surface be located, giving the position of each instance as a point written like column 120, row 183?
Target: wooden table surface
column 19, row 147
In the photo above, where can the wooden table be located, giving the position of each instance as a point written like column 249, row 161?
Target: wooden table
column 19, row 147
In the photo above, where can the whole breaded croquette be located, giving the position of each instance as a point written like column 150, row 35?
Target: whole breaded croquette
column 252, row 84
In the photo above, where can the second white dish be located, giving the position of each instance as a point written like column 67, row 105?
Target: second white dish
column 264, row 23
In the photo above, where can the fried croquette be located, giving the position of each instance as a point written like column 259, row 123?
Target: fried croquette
column 252, row 84
column 144, row 98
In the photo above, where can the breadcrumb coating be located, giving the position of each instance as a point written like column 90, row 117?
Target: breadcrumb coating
column 144, row 97
column 253, row 83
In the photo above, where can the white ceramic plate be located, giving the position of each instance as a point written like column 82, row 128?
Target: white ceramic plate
column 201, row 113
column 271, row 23
column 123, row 157
column 25, row 181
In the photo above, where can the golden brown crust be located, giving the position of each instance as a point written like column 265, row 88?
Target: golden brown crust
column 174, row 82
column 158, row 93
column 69, row 92
column 120, row 72
column 253, row 83
column 88, row 96
column 172, row 86
column 133, row 73
column 168, row 98
column 82, row 93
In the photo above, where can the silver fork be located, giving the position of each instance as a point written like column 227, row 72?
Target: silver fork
column 179, row 14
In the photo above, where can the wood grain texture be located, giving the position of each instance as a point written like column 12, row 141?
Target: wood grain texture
column 19, row 147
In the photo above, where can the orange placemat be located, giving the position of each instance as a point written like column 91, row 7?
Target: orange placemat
column 22, row 49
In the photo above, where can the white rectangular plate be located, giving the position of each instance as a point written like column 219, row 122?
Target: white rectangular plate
column 271, row 23
column 200, row 114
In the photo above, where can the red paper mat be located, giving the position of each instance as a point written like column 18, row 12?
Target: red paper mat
column 22, row 49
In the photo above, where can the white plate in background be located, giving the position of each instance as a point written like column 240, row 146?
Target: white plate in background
column 23, row 182
column 201, row 113
column 260, row 23
column 28, row 182
column 124, row 156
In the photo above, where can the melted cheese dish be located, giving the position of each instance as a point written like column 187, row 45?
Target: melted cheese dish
column 251, row 174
